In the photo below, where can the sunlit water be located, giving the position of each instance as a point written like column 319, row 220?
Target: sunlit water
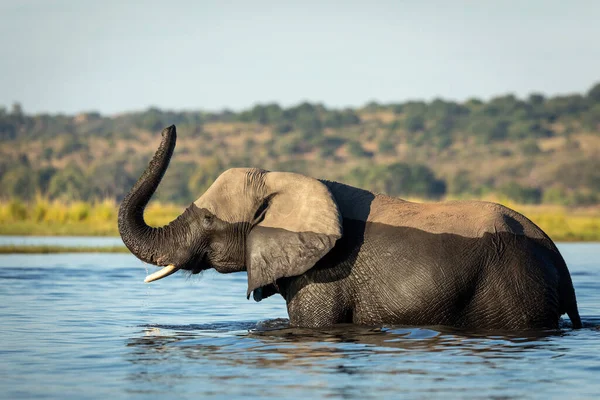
column 67, row 241
column 86, row 326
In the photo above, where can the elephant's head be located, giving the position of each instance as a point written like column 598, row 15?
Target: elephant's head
column 272, row 224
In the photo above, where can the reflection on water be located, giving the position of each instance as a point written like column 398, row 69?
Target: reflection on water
column 78, row 326
column 280, row 345
column 392, row 359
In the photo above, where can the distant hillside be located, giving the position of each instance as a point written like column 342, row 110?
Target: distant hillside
column 527, row 150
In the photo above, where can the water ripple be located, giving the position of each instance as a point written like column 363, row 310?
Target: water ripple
column 86, row 326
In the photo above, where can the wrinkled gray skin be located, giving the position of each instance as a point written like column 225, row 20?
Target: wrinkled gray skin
column 339, row 254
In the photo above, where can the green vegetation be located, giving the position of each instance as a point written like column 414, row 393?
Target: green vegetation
column 63, row 174
column 563, row 224
column 411, row 180
column 43, row 217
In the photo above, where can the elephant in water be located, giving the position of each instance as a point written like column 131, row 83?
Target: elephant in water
column 339, row 254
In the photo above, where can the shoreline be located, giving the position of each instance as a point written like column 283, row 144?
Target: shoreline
column 561, row 224
column 52, row 249
column 58, row 249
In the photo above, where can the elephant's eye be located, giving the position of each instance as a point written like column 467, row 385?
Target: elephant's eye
column 207, row 220
column 259, row 215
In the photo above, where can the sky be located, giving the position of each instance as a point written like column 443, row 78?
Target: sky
column 114, row 56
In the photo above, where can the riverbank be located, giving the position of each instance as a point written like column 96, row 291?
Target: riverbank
column 44, row 218
column 53, row 218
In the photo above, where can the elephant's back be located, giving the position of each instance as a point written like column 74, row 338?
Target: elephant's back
column 471, row 219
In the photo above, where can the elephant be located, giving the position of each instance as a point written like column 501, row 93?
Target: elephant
column 341, row 254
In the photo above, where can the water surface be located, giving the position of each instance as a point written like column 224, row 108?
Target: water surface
column 65, row 241
column 86, row 326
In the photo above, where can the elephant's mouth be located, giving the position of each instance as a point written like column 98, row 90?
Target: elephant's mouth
column 200, row 266
column 171, row 269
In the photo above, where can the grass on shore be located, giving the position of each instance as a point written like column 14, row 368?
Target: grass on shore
column 42, row 217
column 49, row 218
column 563, row 225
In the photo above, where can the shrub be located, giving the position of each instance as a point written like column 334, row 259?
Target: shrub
column 79, row 211
column 521, row 194
column 40, row 209
column 17, row 210
column 414, row 123
column 356, row 150
column 103, row 211
column 530, row 148
column 386, row 147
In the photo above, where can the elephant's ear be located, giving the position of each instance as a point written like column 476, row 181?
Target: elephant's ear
column 299, row 223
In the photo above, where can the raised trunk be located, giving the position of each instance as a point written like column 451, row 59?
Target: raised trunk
column 149, row 244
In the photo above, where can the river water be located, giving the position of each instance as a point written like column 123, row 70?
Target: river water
column 86, row 326
column 66, row 241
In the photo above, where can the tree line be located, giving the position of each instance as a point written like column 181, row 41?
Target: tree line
column 403, row 149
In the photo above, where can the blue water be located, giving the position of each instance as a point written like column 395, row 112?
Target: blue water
column 66, row 241
column 86, row 326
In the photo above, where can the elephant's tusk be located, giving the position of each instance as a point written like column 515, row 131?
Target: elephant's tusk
column 166, row 271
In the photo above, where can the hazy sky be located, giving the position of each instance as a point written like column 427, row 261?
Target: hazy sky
column 117, row 55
